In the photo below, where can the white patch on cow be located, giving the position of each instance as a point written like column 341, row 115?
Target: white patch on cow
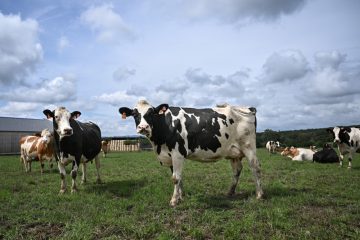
column 62, row 118
column 336, row 133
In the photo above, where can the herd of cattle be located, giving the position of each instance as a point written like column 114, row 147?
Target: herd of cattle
column 176, row 134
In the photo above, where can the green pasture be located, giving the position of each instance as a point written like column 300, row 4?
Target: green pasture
column 303, row 200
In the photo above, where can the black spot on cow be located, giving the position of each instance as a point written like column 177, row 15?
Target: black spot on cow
column 175, row 111
column 231, row 121
column 227, row 136
column 169, row 154
column 203, row 134
column 164, row 132
column 344, row 135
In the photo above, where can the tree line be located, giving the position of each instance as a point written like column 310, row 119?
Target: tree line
column 297, row 138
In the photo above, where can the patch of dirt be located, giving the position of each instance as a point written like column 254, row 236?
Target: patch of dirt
column 43, row 231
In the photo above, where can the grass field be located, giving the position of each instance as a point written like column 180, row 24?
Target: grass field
column 302, row 201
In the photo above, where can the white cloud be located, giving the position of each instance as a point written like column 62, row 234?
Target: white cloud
column 63, row 43
column 234, row 11
column 20, row 50
column 285, row 65
column 117, row 98
column 107, row 24
column 59, row 89
column 329, row 59
column 19, row 109
column 123, row 73
column 331, row 83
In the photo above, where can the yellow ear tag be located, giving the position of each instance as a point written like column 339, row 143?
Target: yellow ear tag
column 123, row 115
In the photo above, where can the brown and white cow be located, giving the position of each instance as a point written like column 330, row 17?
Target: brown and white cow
column 205, row 135
column 348, row 141
column 105, row 147
column 298, row 154
column 35, row 148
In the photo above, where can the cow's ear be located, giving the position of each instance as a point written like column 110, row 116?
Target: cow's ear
column 347, row 129
column 161, row 108
column 330, row 130
column 49, row 114
column 125, row 112
column 75, row 114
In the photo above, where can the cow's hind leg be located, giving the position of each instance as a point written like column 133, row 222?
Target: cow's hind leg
column 62, row 176
column 176, row 177
column 350, row 160
column 237, row 166
column 73, row 176
column 83, row 177
column 255, row 168
column 97, row 165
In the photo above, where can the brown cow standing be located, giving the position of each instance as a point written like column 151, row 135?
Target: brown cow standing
column 105, row 147
column 35, row 148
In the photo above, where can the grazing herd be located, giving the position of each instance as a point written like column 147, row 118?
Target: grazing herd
column 176, row 134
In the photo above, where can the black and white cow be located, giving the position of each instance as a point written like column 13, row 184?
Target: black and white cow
column 205, row 135
column 348, row 141
column 74, row 142
column 272, row 145
column 326, row 155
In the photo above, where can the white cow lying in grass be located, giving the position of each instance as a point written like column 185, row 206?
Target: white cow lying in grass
column 298, row 154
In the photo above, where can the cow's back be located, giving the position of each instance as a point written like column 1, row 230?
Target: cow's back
column 222, row 132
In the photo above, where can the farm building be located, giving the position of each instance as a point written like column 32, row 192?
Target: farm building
column 11, row 129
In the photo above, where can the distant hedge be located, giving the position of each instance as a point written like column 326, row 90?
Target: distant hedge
column 297, row 138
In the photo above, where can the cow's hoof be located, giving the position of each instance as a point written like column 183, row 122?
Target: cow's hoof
column 230, row 193
column 260, row 196
column 83, row 182
column 348, row 167
column 62, row 191
column 74, row 190
column 173, row 202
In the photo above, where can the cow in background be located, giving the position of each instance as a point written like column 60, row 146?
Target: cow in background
column 298, row 154
column 205, row 135
column 326, row 155
column 348, row 141
column 105, row 147
column 75, row 142
column 37, row 148
column 271, row 146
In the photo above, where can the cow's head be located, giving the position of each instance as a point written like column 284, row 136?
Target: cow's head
column 61, row 119
column 145, row 116
column 340, row 134
column 46, row 135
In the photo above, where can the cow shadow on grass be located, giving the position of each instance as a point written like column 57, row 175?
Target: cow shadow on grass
column 224, row 201
column 118, row 189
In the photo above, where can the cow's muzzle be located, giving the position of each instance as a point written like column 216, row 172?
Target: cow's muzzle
column 67, row 132
column 144, row 130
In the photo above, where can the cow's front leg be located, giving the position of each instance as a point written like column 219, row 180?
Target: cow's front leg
column 73, row 175
column 350, row 160
column 176, row 177
column 341, row 158
column 41, row 164
column 237, row 166
column 62, row 171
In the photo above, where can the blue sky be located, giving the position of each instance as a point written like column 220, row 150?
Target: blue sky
column 296, row 61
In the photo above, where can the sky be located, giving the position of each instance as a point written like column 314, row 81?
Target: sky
column 296, row 61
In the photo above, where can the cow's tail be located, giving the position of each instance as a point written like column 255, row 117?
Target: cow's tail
column 253, row 110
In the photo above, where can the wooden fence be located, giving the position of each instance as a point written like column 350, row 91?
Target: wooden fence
column 123, row 146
